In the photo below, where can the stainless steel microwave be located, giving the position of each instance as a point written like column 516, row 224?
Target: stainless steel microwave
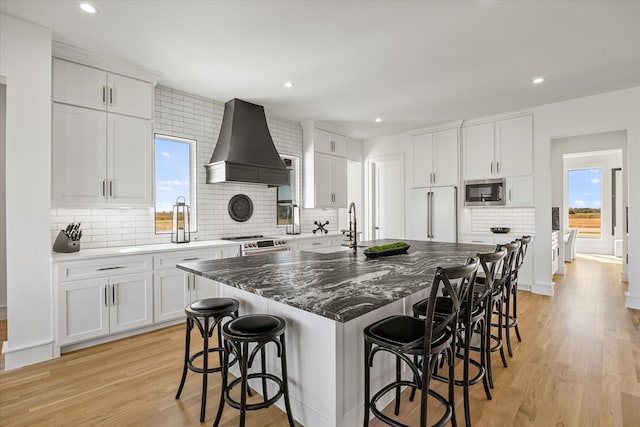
column 484, row 192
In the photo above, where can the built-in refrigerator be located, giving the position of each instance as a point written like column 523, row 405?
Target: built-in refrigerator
column 432, row 214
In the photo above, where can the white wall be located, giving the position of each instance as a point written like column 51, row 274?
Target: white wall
column 25, row 61
column 612, row 111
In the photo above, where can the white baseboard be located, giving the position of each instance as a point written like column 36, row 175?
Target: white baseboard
column 26, row 355
column 543, row 288
column 633, row 301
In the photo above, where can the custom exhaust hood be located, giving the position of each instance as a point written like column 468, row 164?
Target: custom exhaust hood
column 245, row 151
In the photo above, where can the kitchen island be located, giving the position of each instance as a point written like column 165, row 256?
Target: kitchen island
column 327, row 299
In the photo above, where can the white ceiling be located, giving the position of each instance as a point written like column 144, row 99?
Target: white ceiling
column 412, row 63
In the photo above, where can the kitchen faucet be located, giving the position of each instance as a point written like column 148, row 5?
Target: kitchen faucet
column 353, row 236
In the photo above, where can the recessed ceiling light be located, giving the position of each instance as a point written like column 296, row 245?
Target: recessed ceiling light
column 87, row 8
column 378, row 119
column 288, row 85
column 538, row 80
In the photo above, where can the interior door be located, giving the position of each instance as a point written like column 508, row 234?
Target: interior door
column 386, row 195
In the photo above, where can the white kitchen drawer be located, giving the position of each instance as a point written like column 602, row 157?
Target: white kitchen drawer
column 170, row 259
column 101, row 267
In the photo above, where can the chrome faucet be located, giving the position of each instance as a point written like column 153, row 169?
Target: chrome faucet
column 353, row 236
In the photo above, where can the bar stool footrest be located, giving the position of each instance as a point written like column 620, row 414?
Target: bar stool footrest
column 260, row 405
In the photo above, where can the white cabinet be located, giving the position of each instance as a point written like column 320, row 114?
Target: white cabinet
column 478, row 151
column 498, row 149
column 330, row 190
column 90, row 87
column 100, row 159
column 325, row 168
column 435, row 158
column 519, row 191
column 102, row 148
column 174, row 289
column 97, row 297
column 329, row 143
column 96, row 307
column 514, row 146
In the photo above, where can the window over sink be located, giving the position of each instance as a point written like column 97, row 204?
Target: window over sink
column 174, row 177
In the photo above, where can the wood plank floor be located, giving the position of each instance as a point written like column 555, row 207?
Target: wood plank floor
column 578, row 365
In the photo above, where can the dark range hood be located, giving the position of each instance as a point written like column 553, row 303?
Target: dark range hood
column 245, row 151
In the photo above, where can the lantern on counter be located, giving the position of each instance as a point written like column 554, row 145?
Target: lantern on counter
column 181, row 227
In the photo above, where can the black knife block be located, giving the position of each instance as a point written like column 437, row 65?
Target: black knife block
column 64, row 244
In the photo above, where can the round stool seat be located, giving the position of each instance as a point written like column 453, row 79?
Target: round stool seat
column 211, row 307
column 254, row 325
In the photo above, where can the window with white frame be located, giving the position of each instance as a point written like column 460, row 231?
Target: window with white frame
column 174, row 177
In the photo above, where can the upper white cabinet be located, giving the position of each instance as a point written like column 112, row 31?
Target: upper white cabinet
column 330, row 143
column 90, row 87
column 100, row 158
column 499, row 148
column 435, row 159
column 102, row 146
column 519, row 191
column 325, row 168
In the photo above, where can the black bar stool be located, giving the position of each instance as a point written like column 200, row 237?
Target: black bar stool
column 259, row 329
column 206, row 314
column 511, row 298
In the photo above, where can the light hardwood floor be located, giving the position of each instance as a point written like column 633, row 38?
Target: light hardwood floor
column 578, row 365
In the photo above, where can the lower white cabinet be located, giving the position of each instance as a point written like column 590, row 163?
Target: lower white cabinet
column 96, row 307
column 105, row 295
column 174, row 289
column 555, row 252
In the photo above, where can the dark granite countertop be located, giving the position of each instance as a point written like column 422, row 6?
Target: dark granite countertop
column 341, row 285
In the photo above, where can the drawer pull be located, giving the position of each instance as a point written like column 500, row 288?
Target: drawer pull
column 190, row 259
column 108, row 268
column 316, row 243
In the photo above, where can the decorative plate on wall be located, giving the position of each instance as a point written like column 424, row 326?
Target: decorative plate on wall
column 240, row 208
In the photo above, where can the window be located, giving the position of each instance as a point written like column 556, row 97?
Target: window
column 175, row 176
column 585, row 201
column 287, row 196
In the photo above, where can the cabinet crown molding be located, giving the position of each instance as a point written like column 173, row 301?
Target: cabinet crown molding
column 317, row 124
column 81, row 56
column 495, row 117
column 436, row 128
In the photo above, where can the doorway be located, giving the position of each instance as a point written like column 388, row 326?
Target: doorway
column 385, row 204
column 604, row 152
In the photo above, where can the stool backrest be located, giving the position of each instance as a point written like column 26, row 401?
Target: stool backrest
column 492, row 264
column 509, row 265
column 524, row 244
column 458, row 284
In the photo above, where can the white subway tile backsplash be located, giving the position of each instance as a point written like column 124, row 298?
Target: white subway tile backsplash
column 519, row 220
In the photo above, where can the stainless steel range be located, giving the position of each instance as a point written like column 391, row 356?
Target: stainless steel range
column 255, row 245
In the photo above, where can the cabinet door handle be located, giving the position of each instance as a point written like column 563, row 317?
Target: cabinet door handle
column 497, row 167
column 110, row 188
column 113, row 294
column 106, row 298
column 190, row 259
column 104, row 186
column 509, row 195
column 491, row 168
column 111, row 95
column 104, row 94
column 109, row 268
